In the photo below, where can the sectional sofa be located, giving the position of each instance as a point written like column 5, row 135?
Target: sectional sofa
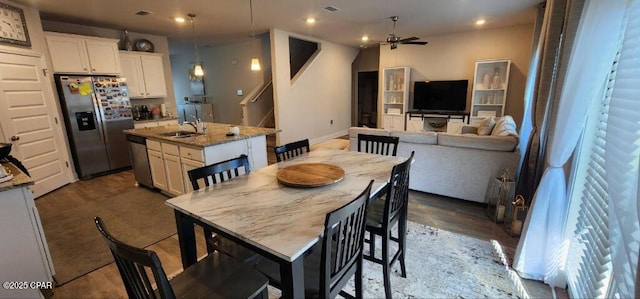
column 454, row 165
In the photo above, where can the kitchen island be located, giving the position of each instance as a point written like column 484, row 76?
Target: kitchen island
column 173, row 150
column 24, row 253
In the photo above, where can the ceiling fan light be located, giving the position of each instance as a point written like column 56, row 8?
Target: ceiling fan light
column 255, row 64
column 198, row 71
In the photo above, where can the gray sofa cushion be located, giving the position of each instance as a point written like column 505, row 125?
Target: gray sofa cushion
column 491, row 143
column 416, row 137
column 354, row 131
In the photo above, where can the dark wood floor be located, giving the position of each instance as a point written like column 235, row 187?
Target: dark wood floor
column 444, row 213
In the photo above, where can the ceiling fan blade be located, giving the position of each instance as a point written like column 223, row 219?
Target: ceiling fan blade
column 408, row 39
column 415, row 43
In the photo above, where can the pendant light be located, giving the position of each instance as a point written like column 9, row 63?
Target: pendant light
column 198, row 71
column 255, row 62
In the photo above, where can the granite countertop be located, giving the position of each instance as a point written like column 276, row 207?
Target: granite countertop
column 152, row 120
column 215, row 134
column 20, row 178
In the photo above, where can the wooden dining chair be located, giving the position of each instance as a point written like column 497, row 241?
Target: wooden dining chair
column 338, row 258
column 378, row 144
column 215, row 173
column 219, row 172
column 291, row 150
column 215, row 276
column 382, row 215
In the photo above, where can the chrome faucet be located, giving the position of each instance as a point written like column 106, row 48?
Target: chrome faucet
column 197, row 125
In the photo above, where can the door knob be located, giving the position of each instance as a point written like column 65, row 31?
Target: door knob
column 15, row 138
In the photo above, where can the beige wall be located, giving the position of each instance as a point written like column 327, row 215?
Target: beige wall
column 322, row 93
column 160, row 43
column 227, row 69
column 453, row 56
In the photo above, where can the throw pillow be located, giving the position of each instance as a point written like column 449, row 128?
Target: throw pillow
column 486, row 126
column 505, row 126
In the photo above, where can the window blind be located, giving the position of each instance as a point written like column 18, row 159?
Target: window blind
column 603, row 254
column 622, row 151
column 589, row 266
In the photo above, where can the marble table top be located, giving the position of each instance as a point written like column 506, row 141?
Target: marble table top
column 215, row 134
column 284, row 221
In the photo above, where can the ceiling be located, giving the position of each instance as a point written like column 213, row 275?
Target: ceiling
column 219, row 21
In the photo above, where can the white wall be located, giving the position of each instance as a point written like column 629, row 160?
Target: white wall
column 453, row 56
column 305, row 108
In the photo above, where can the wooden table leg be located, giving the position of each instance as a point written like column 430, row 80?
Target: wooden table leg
column 186, row 239
column 292, row 278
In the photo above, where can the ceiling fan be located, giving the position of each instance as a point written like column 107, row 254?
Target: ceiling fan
column 395, row 40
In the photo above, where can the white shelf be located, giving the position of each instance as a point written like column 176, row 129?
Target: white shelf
column 394, row 96
column 490, row 86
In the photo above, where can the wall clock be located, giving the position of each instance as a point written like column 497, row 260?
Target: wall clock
column 13, row 27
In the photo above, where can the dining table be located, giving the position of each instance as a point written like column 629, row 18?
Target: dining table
column 279, row 221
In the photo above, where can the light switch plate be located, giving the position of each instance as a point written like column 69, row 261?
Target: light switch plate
column 239, row 92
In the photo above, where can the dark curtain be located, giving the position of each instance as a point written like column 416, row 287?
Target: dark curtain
column 541, row 89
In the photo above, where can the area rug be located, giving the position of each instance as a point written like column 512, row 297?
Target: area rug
column 441, row 264
column 137, row 216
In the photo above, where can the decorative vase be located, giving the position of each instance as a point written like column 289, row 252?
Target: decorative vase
column 495, row 83
column 486, row 81
column 127, row 44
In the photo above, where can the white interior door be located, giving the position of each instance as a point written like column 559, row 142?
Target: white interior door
column 28, row 118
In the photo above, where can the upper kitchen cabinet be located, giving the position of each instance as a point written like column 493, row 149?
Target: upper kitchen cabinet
column 77, row 54
column 144, row 73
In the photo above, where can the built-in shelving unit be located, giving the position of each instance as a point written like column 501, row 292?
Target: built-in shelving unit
column 490, row 85
column 395, row 96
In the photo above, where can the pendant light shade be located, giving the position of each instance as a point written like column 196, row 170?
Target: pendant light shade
column 198, row 71
column 255, row 62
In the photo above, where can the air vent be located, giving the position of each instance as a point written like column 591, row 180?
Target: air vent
column 331, row 9
column 143, row 13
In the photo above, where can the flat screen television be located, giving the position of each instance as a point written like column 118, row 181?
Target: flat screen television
column 440, row 96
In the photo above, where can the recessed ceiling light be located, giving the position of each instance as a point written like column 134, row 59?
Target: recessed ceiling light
column 311, row 20
column 179, row 19
column 365, row 38
column 480, row 22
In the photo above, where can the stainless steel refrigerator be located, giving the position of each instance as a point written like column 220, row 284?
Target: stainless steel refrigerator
column 96, row 111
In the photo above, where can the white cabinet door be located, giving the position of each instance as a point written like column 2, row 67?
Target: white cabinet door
column 397, row 122
column 158, row 175
column 188, row 164
column 76, row 54
column 415, row 124
column 24, row 254
column 68, row 55
column 132, row 71
column 153, row 71
column 103, row 56
column 392, row 122
column 174, row 174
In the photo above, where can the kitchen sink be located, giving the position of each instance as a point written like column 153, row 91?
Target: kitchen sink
column 180, row 134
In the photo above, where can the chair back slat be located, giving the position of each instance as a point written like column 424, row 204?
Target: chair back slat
column 377, row 144
column 291, row 150
column 342, row 244
column 132, row 263
column 398, row 191
column 219, row 172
